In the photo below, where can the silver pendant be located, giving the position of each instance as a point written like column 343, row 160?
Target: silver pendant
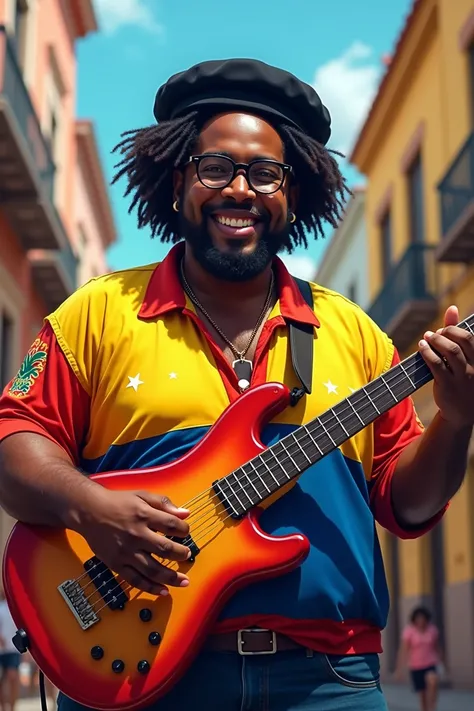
column 243, row 370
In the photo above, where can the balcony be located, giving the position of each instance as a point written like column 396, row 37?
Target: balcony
column 26, row 167
column 407, row 303
column 54, row 274
column 456, row 192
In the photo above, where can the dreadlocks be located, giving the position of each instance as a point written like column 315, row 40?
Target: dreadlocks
column 150, row 156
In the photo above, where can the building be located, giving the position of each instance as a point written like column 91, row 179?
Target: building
column 416, row 149
column 344, row 267
column 55, row 215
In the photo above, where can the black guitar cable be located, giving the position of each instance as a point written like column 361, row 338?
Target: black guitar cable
column 42, row 690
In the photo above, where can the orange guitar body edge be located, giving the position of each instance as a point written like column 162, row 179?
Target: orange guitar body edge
column 233, row 553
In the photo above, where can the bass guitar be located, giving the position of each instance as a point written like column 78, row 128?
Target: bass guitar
column 113, row 647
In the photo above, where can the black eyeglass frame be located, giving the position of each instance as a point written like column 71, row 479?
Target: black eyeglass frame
column 287, row 170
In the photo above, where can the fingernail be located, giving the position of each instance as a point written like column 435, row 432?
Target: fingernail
column 428, row 334
column 184, row 583
column 164, row 592
column 181, row 510
column 423, row 343
column 189, row 554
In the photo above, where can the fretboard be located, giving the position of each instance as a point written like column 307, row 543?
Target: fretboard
column 263, row 475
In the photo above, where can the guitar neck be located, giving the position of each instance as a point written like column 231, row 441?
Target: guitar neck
column 271, row 470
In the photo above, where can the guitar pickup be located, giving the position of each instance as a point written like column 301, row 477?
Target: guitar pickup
column 189, row 542
column 106, row 584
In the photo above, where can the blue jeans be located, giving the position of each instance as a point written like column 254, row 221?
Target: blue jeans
column 286, row 681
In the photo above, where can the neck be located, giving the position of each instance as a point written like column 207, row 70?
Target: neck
column 209, row 288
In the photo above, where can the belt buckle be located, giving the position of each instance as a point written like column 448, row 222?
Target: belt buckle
column 241, row 642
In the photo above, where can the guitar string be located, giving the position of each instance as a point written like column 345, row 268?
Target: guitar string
column 243, row 488
column 258, row 478
column 385, row 382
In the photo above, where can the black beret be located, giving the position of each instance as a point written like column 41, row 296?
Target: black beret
column 248, row 84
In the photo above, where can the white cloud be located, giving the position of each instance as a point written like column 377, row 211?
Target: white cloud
column 300, row 266
column 347, row 85
column 114, row 14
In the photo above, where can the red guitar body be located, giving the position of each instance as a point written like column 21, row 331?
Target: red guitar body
column 233, row 553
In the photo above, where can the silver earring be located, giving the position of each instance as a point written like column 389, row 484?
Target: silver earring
column 292, row 217
column 176, row 206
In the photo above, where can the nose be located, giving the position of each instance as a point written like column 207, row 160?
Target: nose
column 239, row 189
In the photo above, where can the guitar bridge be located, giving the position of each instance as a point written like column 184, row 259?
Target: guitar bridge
column 75, row 597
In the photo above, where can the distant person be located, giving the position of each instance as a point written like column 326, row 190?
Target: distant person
column 421, row 653
column 9, row 659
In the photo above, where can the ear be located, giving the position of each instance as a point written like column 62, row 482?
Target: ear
column 178, row 183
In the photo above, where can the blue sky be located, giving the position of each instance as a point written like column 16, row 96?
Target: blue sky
column 337, row 46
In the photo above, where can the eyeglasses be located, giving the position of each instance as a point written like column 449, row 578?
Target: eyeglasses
column 217, row 172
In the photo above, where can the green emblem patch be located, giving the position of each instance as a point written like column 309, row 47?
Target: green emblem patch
column 33, row 364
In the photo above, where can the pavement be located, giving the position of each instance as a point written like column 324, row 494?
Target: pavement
column 399, row 698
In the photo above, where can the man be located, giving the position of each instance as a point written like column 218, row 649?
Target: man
column 9, row 659
column 133, row 369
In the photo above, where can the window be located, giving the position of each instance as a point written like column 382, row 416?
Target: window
column 416, row 202
column 386, row 245
column 21, row 21
column 6, row 345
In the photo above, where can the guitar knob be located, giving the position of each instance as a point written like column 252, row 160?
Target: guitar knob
column 118, row 666
column 97, row 652
column 154, row 638
column 143, row 666
column 145, row 614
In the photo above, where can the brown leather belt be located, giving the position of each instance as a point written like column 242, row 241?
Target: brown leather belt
column 251, row 641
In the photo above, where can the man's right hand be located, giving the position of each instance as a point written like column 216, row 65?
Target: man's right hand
column 126, row 530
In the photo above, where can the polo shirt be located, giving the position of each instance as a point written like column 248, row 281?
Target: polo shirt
column 124, row 375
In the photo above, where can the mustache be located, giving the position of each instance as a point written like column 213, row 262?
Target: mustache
column 208, row 210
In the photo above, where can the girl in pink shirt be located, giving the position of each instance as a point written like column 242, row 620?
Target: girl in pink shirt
column 421, row 653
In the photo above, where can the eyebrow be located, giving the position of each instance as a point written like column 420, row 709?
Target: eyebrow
column 226, row 154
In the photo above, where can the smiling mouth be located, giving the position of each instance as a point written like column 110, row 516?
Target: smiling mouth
column 235, row 221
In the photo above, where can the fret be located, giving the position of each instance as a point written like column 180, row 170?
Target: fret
column 289, row 456
column 271, row 451
column 250, row 482
column 300, row 446
column 294, row 453
column 258, row 475
column 223, row 496
column 411, row 381
column 327, row 432
column 339, row 422
column 355, row 412
column 232, row 489
column 261, row 459
column 388, row 388
column 371, row 401
column 308, row 432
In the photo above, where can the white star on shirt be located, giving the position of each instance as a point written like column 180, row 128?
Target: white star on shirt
column 134, row 382
column 351, row 389
column 331, row 388
column 173, row 376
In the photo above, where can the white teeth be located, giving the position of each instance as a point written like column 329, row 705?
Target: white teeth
column 233, row 222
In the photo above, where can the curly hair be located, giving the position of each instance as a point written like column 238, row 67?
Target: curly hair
column 150, row 156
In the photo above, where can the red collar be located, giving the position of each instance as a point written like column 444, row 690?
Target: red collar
column 165, row 293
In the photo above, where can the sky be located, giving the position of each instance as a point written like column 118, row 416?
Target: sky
column 336, row 46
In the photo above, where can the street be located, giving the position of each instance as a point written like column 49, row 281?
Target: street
column 399, row 698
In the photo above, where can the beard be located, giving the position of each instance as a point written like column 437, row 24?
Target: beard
column 234, row 265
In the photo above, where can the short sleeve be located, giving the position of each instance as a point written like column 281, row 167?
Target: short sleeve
column 393, row 431
column 46, row 397
column 407, row 635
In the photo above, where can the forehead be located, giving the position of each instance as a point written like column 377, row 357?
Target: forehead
column 243, row 136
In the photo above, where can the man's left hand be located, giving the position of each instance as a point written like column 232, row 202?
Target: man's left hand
column 452, row 366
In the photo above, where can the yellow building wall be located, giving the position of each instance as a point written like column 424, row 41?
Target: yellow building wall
column 435, row 94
